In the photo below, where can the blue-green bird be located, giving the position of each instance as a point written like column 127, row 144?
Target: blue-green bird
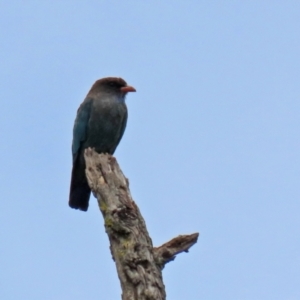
column 99, row 124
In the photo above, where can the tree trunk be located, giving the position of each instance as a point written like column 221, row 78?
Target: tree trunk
column 139, row 264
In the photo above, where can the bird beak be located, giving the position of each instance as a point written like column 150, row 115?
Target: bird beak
column 128, row 88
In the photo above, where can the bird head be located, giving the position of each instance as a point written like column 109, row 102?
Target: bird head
column 112, row 85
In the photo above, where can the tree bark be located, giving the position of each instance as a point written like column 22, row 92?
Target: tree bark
column 139, row 264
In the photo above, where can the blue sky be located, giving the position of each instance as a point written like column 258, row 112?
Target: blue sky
column 212, row 143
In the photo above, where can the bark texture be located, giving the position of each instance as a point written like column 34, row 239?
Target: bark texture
column 139, row 264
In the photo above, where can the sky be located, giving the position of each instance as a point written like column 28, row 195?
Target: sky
column 211, row 145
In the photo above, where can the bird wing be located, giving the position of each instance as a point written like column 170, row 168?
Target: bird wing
column 80, row 126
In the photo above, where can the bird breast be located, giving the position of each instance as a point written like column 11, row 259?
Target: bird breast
column 106, row 125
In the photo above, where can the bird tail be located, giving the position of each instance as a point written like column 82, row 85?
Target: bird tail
column 79, row 190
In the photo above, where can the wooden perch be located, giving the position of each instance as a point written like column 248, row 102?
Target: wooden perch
column 139, row 264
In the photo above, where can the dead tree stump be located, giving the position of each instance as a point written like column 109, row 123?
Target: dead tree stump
column 139, row 264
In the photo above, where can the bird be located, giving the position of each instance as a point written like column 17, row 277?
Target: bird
column 100, row 124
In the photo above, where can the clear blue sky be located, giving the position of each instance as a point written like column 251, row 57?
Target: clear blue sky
column 212, row 143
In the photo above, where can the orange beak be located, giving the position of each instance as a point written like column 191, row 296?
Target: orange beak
column 128, row 88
